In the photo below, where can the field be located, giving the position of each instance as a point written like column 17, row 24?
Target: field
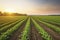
column 29, row 27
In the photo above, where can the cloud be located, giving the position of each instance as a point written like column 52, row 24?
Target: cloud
column 47, row 6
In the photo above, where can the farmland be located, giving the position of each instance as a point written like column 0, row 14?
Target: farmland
column 29, row 27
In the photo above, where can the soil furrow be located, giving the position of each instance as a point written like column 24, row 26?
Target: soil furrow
column 34, row 33
column 53, row 34
column 16, row 35
column 54, row 24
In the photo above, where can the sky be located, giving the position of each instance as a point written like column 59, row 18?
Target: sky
column 31, row 7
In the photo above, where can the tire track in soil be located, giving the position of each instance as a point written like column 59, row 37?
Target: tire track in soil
column 34, row 33
column 53, row 34
column 18, row 32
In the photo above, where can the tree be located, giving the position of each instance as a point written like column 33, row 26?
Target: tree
column 1, row 13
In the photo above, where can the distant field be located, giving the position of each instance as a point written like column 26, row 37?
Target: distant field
column 29, row 27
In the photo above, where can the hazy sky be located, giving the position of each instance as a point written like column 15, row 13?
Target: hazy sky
column 31, row 6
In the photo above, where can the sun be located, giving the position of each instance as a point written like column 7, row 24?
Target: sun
column 9, row 10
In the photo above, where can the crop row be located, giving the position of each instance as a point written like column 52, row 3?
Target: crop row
column 3, row 29
column 8, row 33
column 25, row 33
column 53, row 27
column 8, row 21
column 43, row 33
column 51, row 19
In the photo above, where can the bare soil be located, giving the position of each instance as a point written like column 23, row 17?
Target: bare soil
column 53, row 34
column 18, row 32
column 7, row 28
column 34, row 33
column 54, row 24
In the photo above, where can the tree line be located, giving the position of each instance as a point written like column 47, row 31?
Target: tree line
column 12, row 14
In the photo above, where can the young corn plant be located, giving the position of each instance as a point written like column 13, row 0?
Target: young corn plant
column 9, row 32
column 25, row 33
column 43, row 33
column 55, row 28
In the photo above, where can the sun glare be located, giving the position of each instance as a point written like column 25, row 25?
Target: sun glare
column 9, row 10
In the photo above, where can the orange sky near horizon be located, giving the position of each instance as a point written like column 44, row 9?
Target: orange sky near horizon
column 20, row 6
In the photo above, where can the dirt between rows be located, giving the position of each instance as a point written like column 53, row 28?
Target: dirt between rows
column 17, row 34
column 7, row 28
column 53, row 34
column 54, row 24
column 34, row 35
